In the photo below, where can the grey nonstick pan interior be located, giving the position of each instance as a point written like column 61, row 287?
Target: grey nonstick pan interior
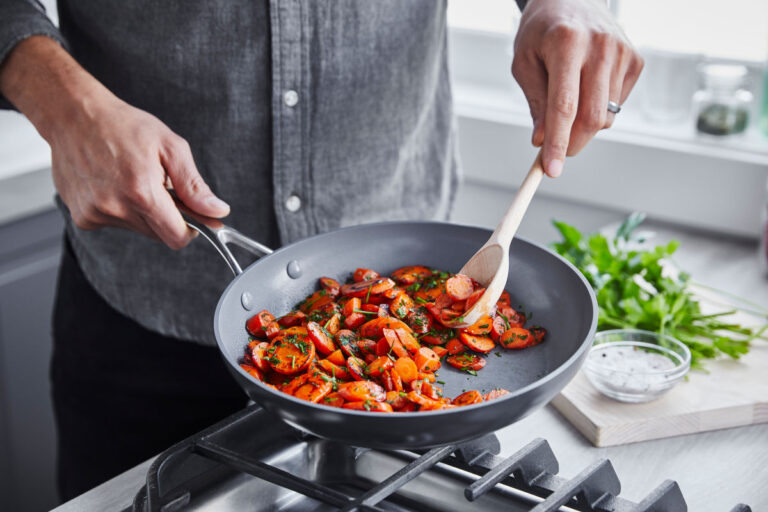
column 543, row 283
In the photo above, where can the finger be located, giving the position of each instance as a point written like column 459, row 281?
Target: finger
column 165, row 220
column 531, row 75
column 176, row 158
column 564, row 72
column 617, row 84
column 593, row 102
column 632, row 74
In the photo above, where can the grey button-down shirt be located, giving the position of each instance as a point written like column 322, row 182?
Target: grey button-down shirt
column 304, row 115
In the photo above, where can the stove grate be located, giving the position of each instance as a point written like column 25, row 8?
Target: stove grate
column 532, row 469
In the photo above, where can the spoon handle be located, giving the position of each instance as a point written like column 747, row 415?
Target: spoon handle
column 508, row 225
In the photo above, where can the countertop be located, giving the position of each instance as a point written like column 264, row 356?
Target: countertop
column 715, row 470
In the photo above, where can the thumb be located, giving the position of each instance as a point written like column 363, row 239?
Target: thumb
column 190, row 187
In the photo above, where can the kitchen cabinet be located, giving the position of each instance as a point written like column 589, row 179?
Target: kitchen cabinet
column 30, row 248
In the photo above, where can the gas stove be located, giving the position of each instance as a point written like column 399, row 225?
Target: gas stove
column 251, row 461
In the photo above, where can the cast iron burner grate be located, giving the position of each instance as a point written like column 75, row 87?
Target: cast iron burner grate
column 333, row 476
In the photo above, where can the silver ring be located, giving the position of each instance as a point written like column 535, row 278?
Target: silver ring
column 614, row 107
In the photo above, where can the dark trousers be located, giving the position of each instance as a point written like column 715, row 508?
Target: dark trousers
column 122, row 393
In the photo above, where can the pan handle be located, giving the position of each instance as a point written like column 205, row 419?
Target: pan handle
column 219, row 235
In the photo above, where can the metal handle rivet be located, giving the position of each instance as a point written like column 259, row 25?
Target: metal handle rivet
column 293, row 269
column 247, row 301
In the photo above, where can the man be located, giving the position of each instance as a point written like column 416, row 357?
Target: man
column 304, row 116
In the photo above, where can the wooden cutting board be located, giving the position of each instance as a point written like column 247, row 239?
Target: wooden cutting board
column 732, row 394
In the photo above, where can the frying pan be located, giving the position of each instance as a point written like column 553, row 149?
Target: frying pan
column 544, row 283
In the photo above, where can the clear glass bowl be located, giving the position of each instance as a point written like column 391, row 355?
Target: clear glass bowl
column 631, row 365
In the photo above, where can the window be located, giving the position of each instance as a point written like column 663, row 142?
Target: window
column 731, row 29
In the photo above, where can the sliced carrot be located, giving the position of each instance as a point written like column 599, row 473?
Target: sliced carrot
column 351, row 305
column 427, row 376
column 257, row 324
column 460, row 306
column 333, row 399
column 323, row 342
column 477, row 343
column 539, row 333
column 393, row 340
column 420, row 399
column 391, row 293
column 291, row 387
column 397, row 381
column 313, row 391
column 290, row 352
column 498, row 327
column 253, row 371
column 505, row 298
column 466, row 362
column 517, row 338
column 437, row 336
column 482, row 327
column 495, row 393
column 310, row 301
column 369, row 406
column 468, row 398
column 323, row 304
column 366, row 347
column 356, row 368
column 411, row 274
column 361, row 390
column 472, row 299
column 426, row 360
column 331, row 286
column 514, row 318
column 407, row 369
column 333, row 324
column 401, row 305
column 406, row 338
column 292, row 319
column 440, row 351
column 354, row 320
column 454, row 346
column 363, row 288
column 396, row 400
column 337, row 358
column 273, row 330
column 459, row 287
column 334, row 370
column 373, row 329
column 409, row 407
column 347, row 340
column 379, row 365
column 364, row 274
column 429, row 294
column 259, row 356
column 419, row 320
column 436, row 406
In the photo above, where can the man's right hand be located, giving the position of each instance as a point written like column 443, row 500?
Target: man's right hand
column 112, row 163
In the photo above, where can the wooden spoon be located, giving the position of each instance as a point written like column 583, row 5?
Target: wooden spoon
column 490, row 265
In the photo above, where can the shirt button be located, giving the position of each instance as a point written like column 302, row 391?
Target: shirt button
column 291, row 98
column 293, row 203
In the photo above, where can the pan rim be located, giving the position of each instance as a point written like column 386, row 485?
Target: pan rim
column 585, row 345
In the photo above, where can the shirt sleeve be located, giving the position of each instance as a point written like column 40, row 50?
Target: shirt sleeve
column 20, row 19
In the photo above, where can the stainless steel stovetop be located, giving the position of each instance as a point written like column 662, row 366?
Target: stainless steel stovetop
column 253, row 462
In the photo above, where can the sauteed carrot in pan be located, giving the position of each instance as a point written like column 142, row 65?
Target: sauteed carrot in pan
column 375, row 343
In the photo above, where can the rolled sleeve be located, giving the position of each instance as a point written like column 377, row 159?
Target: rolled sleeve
column 20, row 19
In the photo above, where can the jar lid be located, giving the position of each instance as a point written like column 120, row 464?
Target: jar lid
column 723, row 76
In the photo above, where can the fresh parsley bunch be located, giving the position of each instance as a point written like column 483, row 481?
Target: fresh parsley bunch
column 637, row 288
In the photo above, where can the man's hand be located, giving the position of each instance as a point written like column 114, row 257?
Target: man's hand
column 111, row 161
column 571, row 58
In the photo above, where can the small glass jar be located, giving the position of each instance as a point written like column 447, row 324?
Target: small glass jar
column 722, row 104
column 763, row 254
